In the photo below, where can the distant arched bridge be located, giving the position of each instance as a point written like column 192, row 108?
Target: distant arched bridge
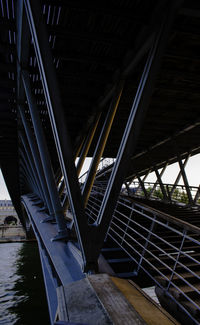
column 8, row 215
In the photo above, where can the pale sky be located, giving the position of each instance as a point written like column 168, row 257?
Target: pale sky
column 192, row 171
column 3, row 189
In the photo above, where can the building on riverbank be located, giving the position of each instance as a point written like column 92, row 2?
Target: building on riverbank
column 10, row 226
column 8, row 215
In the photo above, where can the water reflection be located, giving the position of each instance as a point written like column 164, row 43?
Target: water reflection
column 22, row 293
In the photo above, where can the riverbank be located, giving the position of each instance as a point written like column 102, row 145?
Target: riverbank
column 9, row 234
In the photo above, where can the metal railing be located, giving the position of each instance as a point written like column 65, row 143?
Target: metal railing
column 173, row 193
column 103, row 164
column 161, row 246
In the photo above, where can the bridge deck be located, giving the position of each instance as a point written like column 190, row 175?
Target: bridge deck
column 100, row 299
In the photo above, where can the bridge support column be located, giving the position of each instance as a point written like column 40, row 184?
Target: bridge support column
column 133, row 127
column 45, row 159
column 37, row 160
column 57, row 118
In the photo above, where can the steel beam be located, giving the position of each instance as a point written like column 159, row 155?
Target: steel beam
column 33, row 168
column 179, row 175
column 134, row 123
column 57, row 118
column 28, row 176
column 45, row 158
column 161, row 174
column 197, row 195
column 102, row 142
column 31, row 178
column 87, row 144
column 158, row 175
column 142, row 186
column 185, row 180
column 23, row 41
column 36, row 158
column 84, row 152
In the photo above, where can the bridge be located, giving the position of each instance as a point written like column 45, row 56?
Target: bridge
column 8, row 214
column 105, row 79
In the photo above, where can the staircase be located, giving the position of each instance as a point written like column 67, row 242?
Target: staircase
column 154, row 248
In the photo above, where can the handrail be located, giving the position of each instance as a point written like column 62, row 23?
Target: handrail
column 165, row 184
column 172, row 219
column 161, row 245
column 163, row 215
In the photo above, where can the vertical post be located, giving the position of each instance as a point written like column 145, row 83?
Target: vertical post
column 45, row 159
column 102, row 142
column 197, row 195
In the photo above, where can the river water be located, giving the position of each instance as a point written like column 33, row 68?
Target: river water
column 22, row 293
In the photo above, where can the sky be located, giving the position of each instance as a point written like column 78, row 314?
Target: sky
column 3, row 189
column 192, row 171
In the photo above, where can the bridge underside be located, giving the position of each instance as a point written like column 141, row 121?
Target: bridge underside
column 106, row 79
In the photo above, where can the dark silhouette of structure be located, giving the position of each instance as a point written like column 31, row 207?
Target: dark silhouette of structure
column 116, row 79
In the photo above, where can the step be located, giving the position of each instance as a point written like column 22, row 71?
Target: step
column 110, row 249
column 119, row 260
column 126, row 275
column 185, row 289
column 185, row 275
column 191, row 307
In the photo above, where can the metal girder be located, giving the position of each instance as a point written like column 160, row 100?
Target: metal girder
column 23, row 41
column 28, row 176
column 133, row 126
column 142, row 186
column 57, row 118
column 37, row 160
column 102, row 142
column 32, row 166
column 161, row 174
column 158, row 175
column 84, row 152
column 31, row 179
column 197, row 195
column 185, row 180
column 87, row 143
column 45, row 158
column 179, row 175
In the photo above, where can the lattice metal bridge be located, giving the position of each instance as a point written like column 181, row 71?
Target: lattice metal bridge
column 105, row 79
